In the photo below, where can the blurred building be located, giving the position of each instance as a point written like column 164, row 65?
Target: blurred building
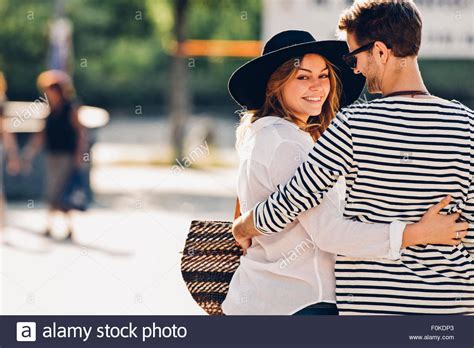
column 447, row 24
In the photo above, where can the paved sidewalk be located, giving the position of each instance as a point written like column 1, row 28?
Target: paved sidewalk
column 136, row 140
column 126, row 254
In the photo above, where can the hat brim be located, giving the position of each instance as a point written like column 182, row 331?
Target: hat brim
column 247, row 85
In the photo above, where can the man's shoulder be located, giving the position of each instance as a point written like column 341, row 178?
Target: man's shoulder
column 463, row 107
column 358, row 107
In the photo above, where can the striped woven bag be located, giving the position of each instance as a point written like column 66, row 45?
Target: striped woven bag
column 209, row 261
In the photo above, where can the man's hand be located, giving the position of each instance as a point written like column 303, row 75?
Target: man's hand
column 244, row 230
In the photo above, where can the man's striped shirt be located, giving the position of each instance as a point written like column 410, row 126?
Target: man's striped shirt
column 399, row 156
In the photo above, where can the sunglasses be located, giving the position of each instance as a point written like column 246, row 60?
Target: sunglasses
column 350, row 58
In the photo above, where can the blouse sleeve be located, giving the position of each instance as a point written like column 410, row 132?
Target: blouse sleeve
column 330, row 158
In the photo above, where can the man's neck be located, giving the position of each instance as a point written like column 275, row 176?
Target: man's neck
column 407, row 77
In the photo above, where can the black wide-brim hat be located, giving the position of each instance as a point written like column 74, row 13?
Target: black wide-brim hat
column 248, row 84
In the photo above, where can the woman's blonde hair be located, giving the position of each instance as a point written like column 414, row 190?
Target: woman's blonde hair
column 275, row 104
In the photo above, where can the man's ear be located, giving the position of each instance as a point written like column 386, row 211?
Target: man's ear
column 381, row 51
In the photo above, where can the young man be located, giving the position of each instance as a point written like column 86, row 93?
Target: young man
column 400, row 154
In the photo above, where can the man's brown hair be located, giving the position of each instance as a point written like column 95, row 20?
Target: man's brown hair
column 397, row 23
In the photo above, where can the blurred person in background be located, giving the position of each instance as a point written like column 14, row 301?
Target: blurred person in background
column 8, row 147
column 65, row 143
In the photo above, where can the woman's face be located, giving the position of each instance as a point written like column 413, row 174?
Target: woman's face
column 306, row 93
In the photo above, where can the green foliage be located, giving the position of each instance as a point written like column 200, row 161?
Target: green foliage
column 224, row 19
column 23, row 44
column 117, row 56
column 450, row 79
column 220, row 20
column 122, row 47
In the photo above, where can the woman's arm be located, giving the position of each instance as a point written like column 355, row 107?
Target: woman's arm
column 31, row 149
column 342, row 236
column 81, row 133
column 335, row 234
column 326, row 224
column 11, row 150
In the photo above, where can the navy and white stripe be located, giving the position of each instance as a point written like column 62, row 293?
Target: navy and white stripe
column 399, row 157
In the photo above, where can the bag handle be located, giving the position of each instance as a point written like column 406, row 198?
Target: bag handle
column 237, row 209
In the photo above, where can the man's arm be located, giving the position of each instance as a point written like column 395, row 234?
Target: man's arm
column 330, row 157
column 331, row 232
column 325, row 224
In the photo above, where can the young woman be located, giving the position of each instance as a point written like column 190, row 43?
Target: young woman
column 65, row 142
column 293, row 91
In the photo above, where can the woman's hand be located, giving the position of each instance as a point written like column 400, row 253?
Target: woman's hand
column 436, row 228
column 244, row 229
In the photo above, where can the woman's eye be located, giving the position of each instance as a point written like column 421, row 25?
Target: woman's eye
column 323, row 76
column 302, row 77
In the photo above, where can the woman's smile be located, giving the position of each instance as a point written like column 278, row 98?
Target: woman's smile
column 313, row 99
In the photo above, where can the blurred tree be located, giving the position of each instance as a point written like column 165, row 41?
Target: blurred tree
column 23, row 44
column 122, row 50
column 118, row 60
column 122, row 47
column 179, row 92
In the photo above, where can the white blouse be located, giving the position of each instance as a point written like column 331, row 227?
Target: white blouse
column 283, row 273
